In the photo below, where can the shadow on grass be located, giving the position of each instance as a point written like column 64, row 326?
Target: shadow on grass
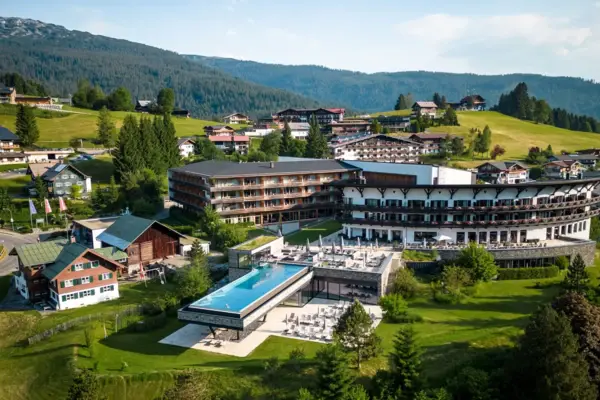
column 46, row 351
column 505, row 304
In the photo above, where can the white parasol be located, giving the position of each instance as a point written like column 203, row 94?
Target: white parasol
column 442, row 238
column 358, row 241
column 320, row 241
column 342, row 243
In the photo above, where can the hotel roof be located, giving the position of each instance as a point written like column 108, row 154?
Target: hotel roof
column 224, row 169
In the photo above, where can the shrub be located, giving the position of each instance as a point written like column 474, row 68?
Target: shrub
column 562, row 262
column 413, row 255
column 272, row 365
column 405, row 283
column 505, row 274
column 124, row 366
column 296, row 357
column 394, row 307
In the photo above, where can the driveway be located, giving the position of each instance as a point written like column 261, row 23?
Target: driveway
column 9, row 240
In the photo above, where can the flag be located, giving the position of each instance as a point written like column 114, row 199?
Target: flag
column 47, row 208
column 32, row 209
column 61, row 204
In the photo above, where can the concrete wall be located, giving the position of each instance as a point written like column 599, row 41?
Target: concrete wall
column 275, row 246
column 425, row 173
column 286, row 227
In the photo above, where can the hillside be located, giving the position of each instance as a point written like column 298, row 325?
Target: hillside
column 517, row 136
column 58, row 58
column 379, row 91
column 56, row 132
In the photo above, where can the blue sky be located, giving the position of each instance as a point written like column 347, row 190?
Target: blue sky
column 537, row 36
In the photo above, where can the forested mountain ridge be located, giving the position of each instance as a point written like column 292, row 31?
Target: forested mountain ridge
column 379, row 91
column 59, row 58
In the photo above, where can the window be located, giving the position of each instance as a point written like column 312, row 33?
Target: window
column 58, row 184
column 73, row 176
column 68, row 184
column 584, row 224
column 95, row 264
column 86, row 279
column 59, row 192
column 86, row 293
column 77, row 267
column 70, row 296
column 108, row 288
column 80, row 183
column 105, row 276
column 66, row 283
column 65, row 177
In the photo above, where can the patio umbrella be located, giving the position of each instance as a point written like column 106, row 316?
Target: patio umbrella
column 376, row 243
column 442, row 238
column 307, row 245
column 342, row 243
column 279, row 233
column 320, row 241
column 358, row 241
column 424, row 242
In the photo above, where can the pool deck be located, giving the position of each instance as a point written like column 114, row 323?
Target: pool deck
column 199, row 337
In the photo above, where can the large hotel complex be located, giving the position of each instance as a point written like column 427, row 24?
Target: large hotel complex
column 384, row 208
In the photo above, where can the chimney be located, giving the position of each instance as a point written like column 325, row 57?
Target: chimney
column 272, row 164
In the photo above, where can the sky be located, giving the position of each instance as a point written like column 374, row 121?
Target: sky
column 550, row 37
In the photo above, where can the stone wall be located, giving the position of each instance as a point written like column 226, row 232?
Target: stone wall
column 209, row 319
column 585, row 248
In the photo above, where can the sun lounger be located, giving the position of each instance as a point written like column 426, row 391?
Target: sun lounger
column 218, row 344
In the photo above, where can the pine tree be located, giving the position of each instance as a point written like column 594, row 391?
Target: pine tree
column 316, row 144
column 375, row 127
column 405, row 365
column 547, row 363
column 287, row 141
column 444, row 104
column 41, row 188
column 151, row 149
column 106, row 130
column 197, row 255
column 486, row 140
column 271, row 144
column 437, row 99
column 112, row 194
column 354, row 332
column 27, row 129
column 166, row 100
column 401, row 103
column 168, row 144
column 576, row 278
column 334, row 378
column 128, row 156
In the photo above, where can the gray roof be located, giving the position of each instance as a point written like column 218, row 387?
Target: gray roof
column 381, row 137
column 568, row 157
column 223, row 169
column 183, row 140
column 127, row 229
column 505, row 165
column 7, row 134
column 56, row 169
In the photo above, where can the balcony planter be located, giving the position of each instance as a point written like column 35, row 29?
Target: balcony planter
column 471, row 208
column 494, row 208
column 459, row 208
column 492, row 222
column 504, row 222
column 505, row 207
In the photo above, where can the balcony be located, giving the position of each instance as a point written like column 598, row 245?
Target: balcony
column 286, row 207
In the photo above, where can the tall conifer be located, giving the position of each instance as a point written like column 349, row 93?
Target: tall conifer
column 128, row 154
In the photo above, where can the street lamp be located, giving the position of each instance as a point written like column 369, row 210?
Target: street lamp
column 12, row 221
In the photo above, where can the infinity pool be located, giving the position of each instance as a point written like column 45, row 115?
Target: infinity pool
column 241, row 293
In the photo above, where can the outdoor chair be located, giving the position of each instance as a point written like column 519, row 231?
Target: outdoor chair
column 218, row 344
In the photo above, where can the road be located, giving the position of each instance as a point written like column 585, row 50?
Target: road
column 9, row 264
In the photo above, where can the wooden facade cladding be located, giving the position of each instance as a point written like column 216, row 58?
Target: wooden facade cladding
column 155, row 243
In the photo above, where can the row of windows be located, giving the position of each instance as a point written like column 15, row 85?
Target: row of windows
column 82, row 266
column 69, row 176
column 78, row 295
column 67, row 184
column 85, row 280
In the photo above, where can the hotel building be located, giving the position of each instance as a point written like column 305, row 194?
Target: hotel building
column 260, row 192
column 381, row 148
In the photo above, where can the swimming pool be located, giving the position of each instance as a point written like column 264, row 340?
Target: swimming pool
column 243, row 292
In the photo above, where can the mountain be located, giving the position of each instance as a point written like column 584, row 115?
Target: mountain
column 379, row 91
column 58, row 58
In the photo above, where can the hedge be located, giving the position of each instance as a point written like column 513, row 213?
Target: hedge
column 505, row 274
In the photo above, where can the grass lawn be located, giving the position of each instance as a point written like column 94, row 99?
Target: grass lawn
column 518, row 136
column 56, row 132
column 312, row 232
column 15, row 185
column 11, row 167
column 4, row 285
column 256, row 242
column 100, row 168
column 399, row 113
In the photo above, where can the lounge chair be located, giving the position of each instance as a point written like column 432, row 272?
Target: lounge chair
column 218, row 344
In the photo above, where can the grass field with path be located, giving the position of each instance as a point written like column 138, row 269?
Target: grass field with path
column 56, row 132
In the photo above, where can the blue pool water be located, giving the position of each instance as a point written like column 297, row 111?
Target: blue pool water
column 239, row 294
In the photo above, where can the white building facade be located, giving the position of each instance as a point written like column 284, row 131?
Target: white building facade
column 85, row 297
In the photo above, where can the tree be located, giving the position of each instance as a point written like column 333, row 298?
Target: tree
column 168, row 143
column 375, row 127
column 437, row 99
column 120, row 100
column 486, row 139
column 576, row 278
column 497, row 151
column 106, row 129
column 208, row 150
column 394, row 307
column 402, row 103
column 166, row 100
column 271, row 144
column 41, row 189
column 316, row 143
column 189, row 385
column 85, row 386
column 405, row 283
column 354, row 332
column 450, row 118
column 88, row 96
column 455, row 278
column 128, row 155
column 210, row 221
column 111, row 197
column 405, row 365
column 334, row 378
column 457, row 146
column 542, row 112
column 27, row 129
column 444, row 103
column 197, row 254
column 193, row 281
column 230, row 235
column 547, row 363
column 478, row 262
column 76, row 191
column 5, row 199
column 585, row 324
column 287, row 141
column 472, row 384
column 435, row 394
column 535, row 173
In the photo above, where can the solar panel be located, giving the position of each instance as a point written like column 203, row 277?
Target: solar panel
column 60, row 167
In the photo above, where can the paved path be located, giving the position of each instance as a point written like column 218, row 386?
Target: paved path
column 9, row 240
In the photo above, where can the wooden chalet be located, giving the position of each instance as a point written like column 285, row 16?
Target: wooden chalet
column 219, row 130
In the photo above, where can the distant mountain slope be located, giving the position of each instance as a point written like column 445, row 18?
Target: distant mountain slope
column 58, row 58
column 376, row 92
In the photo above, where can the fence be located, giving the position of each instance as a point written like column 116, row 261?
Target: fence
column 117, row 316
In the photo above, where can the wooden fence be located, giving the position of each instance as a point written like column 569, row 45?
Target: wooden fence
column 117, row 316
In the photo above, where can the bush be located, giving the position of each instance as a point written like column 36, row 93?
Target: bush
column 149, row 323
column 505, row 274
column 562, row 262
column 394, row 307
column 297, row 356
column 405, row 283
column 413, row 255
